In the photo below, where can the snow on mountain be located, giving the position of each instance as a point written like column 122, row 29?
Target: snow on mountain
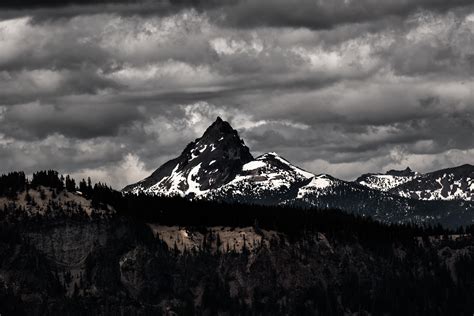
column 218, row 166
column 266, row 179
column 207, row 163
column 388, row 180
column 447, row 184
column 318, row 185
column 325, row 191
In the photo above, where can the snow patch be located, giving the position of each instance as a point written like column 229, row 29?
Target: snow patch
column 256, row 164
column 318, row 183
column 193, row 186
column 385, row 182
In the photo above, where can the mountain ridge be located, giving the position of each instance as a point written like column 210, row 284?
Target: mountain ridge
column 388, row 180
column 219, row 166
column 445, row 184
column 214, row 163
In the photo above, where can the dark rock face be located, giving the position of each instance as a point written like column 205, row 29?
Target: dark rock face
column 401, row 173
column 206, row 163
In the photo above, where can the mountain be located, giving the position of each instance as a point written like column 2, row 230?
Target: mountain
column 206, row 163
column 219, row 167
column 388, row 180
column 447, row 184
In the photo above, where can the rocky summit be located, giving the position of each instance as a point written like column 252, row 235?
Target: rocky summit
column 206, row 163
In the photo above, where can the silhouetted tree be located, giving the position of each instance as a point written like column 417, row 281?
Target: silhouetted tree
column 70, row 184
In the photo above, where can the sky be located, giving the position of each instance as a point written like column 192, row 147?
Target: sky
column 113, row 89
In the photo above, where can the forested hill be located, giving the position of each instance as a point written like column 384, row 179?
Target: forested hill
column 52, row 191
column 70, row 248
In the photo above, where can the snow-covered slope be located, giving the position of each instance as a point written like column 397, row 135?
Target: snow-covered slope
column 321, row 184
column 271, row 179
column 388, row 180
column 267, row 179
column 448, row 184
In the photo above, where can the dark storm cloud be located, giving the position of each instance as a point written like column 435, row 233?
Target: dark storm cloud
column 28, row 4
column 36, row 120
column 242, row 13
column 67, row 155
column 327, row 14
column 429, row 136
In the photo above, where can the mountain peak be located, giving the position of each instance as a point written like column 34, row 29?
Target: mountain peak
column 272, row 158
column 407, row 172
column 219, row 130
column 221, row 125
column 206, row 163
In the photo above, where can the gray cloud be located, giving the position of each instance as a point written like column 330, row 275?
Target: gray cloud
column 342, row 87
column 37, row 120
column 327, row 14
column 242, row 13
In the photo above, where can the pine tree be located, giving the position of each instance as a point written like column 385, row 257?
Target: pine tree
column 70, row 184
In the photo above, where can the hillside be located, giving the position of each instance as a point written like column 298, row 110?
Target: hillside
column 86, row 249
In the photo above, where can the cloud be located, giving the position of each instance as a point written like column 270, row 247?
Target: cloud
column 36, row 120
column 128, row 170
column 327, row 14
column 104, row 88
column 395, row 159
column 243, row 13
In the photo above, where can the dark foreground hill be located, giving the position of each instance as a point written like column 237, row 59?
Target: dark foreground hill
column 65, row 251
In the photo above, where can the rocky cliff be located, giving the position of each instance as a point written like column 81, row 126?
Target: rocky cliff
column 115, row 267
